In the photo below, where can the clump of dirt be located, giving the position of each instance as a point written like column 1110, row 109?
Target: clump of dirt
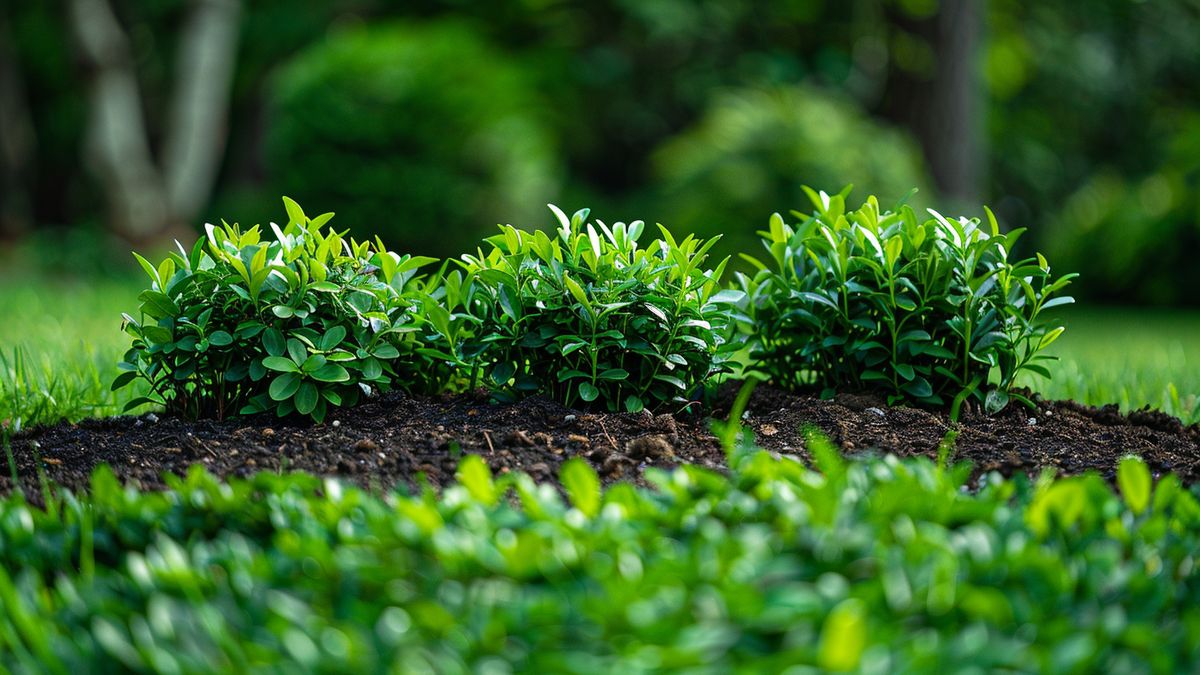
column 397, row 439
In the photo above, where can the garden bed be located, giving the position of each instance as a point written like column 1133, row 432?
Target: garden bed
column 397, row 438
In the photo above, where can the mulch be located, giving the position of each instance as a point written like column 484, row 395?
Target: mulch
column 400, row 439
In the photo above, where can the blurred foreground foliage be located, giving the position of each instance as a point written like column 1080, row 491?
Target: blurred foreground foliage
column 873, row 566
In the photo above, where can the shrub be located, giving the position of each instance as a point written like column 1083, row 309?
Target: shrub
column 245, row 325
column 756, row 147
column 422, row 132
column 920, row 310
column 589, row 317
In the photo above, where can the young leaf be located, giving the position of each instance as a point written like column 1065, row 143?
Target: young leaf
column 582, row 485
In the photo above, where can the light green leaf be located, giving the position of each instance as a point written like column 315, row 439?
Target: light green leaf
column 1134, row 480
column 582, row 485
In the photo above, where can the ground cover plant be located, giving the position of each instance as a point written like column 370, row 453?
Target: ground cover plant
column 930, row 311
column 873, row 566
column 589, row 317
column 292, row 325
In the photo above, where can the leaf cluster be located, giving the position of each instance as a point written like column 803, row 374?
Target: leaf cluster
column 589, row 317
column 881, row 565
column 293, row 324
column 928, row 310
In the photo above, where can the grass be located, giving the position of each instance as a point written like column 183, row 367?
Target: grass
column 1134, row 358
column 60, row 339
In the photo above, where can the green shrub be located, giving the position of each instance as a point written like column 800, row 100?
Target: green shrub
column 422, row 133
column 921, row 310
column 755, row 148
column 877, row 566
column 245, row 325
column 590, row 318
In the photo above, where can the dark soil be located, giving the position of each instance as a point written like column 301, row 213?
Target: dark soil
column 397, row 438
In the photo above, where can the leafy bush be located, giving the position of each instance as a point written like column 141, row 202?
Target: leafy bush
column 423, row 133
column 757, row 147
column 309, row 320
column 589, row 317
column 921, row 310
column 875, row 566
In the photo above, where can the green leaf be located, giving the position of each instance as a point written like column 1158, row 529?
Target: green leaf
column 475, row 475
column 843, row 637
column 502, row 373
column 220, row 338
column 122, row 380
column 297, row 351
column 295, row 213
column 284, row 386
column 306, row 398
column 332, row 338
column 582, row 485
column 281, row 364
column 1133, row 477
column 314, row 363
column 157, row 305
column 330, row 372
column 588, row 391
column 273, row 342
column 634, row 404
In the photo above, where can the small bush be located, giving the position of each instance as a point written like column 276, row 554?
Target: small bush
column 923, row 310
column 243, row 325
column 424, row 133
column 590, row 318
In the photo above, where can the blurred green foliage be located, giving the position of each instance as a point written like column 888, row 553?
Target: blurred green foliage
column 419, row 133
column 874, row 566
column 1089, row 113
column 1095, row 129
column 757, row 147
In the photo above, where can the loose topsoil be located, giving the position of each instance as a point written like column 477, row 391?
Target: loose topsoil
column 396, row 438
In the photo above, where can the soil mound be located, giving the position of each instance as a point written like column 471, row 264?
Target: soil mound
column 397, row 438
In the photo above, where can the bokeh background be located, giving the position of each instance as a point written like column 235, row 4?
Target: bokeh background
column 128, row 123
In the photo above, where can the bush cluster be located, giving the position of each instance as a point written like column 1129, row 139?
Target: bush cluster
column 295, row 324
column 877, row 566
column 924, row 311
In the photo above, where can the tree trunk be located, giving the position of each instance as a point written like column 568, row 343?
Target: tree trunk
column 145, row 201
column 197, row 131
column 18, row 141
column 943, row 107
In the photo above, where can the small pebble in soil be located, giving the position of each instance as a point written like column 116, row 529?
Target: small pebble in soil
column 768, row 430
column 1032, row 421
column 568, row 418
column 366, row 445
column 151, row 418
column 336, row 423
column 877, row 411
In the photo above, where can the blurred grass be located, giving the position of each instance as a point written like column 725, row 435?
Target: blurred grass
column 1131, row 357
column 60, row 340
